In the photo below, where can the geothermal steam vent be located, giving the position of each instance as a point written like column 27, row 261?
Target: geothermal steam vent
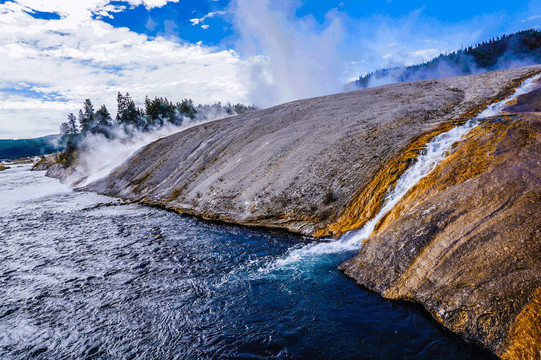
column 463, row 241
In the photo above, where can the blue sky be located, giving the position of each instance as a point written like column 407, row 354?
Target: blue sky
column 56, row 53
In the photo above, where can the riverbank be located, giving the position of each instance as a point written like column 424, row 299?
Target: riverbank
column 303, row 166
column 465, row 241
column 323, row 166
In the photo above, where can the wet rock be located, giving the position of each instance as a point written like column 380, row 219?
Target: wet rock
column 530, row 102
column 465, row 242
column 303, row 166
column 45, row 162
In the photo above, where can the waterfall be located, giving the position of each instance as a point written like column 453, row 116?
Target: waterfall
column 435, row 152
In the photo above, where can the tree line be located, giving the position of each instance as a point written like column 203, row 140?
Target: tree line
column 496, row 53
column 156, row 113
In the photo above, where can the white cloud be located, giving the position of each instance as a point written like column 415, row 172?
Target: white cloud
column 426, row 53
column 197, row 21
column 149, row 4
column 109, row 10
column 280, row 56
column 535, row 17
column 77, row 57
column 80, row 10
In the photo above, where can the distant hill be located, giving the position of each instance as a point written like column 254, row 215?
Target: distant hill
column 13, row 149
column 509, row 51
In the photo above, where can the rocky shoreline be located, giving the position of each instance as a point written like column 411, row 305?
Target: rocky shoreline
column 465, row 242
column 302, row 166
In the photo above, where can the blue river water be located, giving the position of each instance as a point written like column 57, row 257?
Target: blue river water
column 84, row 276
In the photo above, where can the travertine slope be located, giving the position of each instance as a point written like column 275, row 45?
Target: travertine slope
column 302, row 166
column 465, row 242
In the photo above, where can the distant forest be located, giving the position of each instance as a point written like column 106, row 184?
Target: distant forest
column 14, row 149
column 130, row 118
column 519, row 49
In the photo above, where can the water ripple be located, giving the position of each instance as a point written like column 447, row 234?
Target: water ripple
column 83, row 276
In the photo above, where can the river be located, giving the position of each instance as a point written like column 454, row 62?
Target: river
column 84, row 276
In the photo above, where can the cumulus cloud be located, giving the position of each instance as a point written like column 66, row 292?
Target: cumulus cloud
column 109, row 10
column 50, row 66
column 77, row 57
column 149, row 4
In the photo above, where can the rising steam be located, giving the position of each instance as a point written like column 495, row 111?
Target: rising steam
column 300, row 58
column 102, row 155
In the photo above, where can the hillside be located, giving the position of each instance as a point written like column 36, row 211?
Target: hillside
column 475, row 268
column 463, row 242
column 298, row 166
column 13, row 149
column 508, row 51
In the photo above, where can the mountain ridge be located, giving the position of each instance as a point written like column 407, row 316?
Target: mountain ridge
column 508, row 51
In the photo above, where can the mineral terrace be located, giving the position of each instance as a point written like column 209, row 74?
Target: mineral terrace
column 465, row 242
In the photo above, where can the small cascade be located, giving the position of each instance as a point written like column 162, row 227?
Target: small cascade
column 435, row 152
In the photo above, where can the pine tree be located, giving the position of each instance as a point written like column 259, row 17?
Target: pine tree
column 103, row 123
column 158, row 111
column 86, row 117
column 70, row 137
column 186, row 108
column 128, row 114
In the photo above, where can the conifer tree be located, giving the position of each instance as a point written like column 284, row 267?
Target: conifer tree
column 103, row 123
column 86, row 116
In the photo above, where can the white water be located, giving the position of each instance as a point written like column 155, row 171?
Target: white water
column 16, row 194
column 436, row 151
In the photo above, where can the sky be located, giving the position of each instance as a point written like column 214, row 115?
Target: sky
column 54, row 54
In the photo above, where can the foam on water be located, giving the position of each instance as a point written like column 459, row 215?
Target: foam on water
column 22, row 189
column 16, row 192
column 435, row 151
column 84, row 279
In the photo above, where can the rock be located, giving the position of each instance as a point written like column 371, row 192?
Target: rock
column 303, row 166
column 465, row 242
column 530, row 102
column 58, row 171
column 45, row 162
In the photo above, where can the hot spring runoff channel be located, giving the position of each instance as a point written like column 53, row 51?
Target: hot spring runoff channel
column 84, row 276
